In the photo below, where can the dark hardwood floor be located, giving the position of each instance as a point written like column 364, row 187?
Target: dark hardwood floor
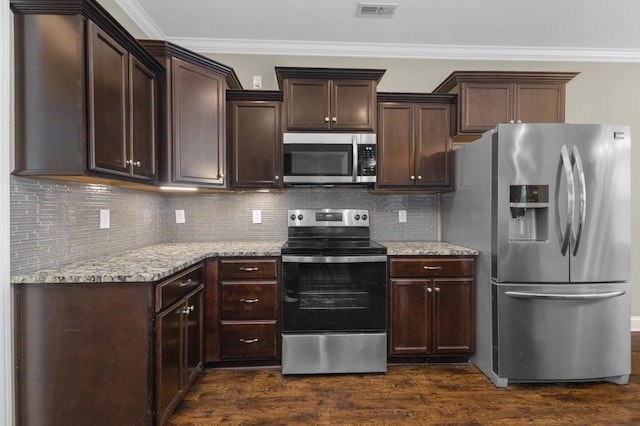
column 417, row 394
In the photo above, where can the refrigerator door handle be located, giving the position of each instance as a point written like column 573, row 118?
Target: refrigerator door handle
column 552, row 296
column 566, row 165
column 583, row 200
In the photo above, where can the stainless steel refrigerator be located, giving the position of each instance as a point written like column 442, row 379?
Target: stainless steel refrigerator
column 548, row 207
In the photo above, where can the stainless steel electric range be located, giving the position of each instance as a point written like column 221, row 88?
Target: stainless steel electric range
column 334, row 294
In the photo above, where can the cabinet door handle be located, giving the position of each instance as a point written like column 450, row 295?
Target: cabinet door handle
column 432, row 268
column 185, row 282
column 249, row 341
column 249, row 300
column 249, row 268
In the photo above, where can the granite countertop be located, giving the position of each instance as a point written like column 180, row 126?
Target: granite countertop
column 158, row 261
column 426, row 248
column 151, row 263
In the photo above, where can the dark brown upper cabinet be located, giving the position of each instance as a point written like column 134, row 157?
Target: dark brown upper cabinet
column 192, row 140
column 415, row 142
column 488, row 98
column 86, row 95
column 329, row 99
column 255, row 138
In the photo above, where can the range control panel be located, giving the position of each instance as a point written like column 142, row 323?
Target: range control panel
column 328, row 217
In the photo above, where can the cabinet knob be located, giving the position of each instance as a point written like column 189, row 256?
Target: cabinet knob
column 511, row 121
column 429, row 290
column 437, row 289
column 249, row 341
column 413, row 177
column 326, row 119
column 519, row 121
column 334, row 120
column 277, row 177
column 137, row 164
column 419, row 177
column 129, row 162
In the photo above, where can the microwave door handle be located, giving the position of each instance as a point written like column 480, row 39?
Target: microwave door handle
column 354, row 171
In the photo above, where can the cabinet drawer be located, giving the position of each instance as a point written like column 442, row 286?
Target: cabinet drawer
column 431, row 267
column 244, row 269
column 250, row 339
column 173, row 289
column 250, row 300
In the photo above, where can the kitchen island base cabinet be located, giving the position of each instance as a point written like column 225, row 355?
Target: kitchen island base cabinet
column 431, row 303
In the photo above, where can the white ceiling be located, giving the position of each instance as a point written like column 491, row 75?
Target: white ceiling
column 563, row 30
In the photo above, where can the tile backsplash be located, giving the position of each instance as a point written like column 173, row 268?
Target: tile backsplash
column 55, row 222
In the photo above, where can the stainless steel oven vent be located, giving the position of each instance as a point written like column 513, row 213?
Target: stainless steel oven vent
column 376, row 10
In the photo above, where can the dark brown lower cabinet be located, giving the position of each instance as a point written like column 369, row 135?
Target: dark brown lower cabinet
column 243, row 310
column 431, row 306
column 106, row 353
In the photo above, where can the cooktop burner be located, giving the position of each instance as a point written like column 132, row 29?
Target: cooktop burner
column 330, row 232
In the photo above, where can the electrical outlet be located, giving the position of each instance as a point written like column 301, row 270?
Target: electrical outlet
column 180, row 216
column 257, row 82
column 105, row 222
column 402, row 216
column 257, row 216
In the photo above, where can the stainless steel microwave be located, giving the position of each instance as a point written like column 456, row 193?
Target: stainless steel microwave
column 329, row 158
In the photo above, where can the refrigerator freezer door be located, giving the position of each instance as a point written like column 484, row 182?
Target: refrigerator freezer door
column 562, row 332
column 600, row 250
column 529, row 237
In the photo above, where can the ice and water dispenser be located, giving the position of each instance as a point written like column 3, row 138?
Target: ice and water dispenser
column 529, row 205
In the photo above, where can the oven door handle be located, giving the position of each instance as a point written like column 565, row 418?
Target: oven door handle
column 334, row 259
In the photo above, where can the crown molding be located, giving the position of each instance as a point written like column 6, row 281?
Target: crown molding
column 141, row 18
column 393, row 50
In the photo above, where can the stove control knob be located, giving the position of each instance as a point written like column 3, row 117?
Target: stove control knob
column 357, row 217
column 300, row 217
column 364, row 217
column 293, row 217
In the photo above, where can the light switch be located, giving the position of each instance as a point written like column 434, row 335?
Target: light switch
column 257, row 216
column 402, row 216
column 105, row 221
column 180, row 216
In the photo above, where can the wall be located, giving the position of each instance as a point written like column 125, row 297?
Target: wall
column 53, row 223
column 229, row 216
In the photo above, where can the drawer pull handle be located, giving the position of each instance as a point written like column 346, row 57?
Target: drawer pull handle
column 249, row 268
column 432, row 268
column 185, row 282
column 249, row 341
column 249, row 300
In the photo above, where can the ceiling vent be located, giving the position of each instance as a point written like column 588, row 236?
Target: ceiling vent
column 376, row 10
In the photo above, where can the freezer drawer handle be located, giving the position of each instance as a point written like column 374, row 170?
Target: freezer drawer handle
column 587, row 296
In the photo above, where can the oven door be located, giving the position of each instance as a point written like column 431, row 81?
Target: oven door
column 334, row 293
